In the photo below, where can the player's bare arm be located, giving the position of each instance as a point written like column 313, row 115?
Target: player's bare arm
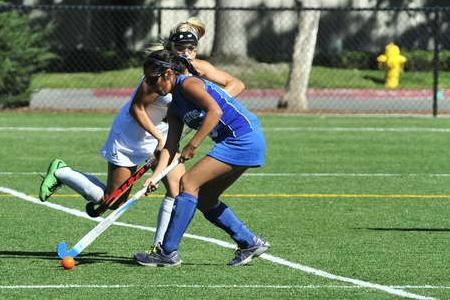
column 194, row 89
column 169, row 151
column 231, row 84
column 143, row 97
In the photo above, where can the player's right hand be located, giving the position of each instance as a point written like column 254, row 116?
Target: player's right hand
column 151, row 186
column 188, row 152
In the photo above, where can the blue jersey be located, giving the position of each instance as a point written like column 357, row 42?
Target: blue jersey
column 235, row 121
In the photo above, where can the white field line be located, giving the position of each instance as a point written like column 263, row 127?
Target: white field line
column 213, row 286
column 360, row 129
column 250, row 174
column 64, row 286
column 290, row 129
column 271, row 258
column 52, row 129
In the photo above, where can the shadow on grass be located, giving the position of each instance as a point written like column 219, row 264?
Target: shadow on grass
column 407, row 229
column 85, row 258
column 374, row 79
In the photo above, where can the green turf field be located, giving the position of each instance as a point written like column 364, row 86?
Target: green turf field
column 354, row 207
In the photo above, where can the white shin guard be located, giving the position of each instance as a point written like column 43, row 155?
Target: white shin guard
column 165, row 211
column 88, row 186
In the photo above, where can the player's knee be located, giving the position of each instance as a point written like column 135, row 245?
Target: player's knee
column 187, row 184
column 172, row 183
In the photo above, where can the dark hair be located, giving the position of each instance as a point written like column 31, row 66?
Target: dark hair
column 166, row 59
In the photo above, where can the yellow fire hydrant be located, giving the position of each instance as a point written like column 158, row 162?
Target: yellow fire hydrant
column 391, row 61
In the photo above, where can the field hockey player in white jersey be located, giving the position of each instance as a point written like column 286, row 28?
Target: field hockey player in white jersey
column 137, row 132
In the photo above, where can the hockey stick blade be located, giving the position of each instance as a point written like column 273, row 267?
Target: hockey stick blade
column 107, row 222
column 62, row 250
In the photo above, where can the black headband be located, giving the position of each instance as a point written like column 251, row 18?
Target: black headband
column 184, row 38
column 160, row 62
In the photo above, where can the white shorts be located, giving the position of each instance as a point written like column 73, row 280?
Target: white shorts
column 120, row 152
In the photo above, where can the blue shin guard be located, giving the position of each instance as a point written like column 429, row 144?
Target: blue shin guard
column 184, row 209
column 223, row 217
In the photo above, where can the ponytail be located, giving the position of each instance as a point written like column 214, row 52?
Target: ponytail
column 153, row 47
column 198, row 25
column 189, row 66
column 192, row 25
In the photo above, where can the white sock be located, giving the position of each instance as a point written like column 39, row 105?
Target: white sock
column 165, row 210
column 87, row 186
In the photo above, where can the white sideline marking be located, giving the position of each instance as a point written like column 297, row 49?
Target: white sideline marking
column 275, row 174
column 361, row 129
column 63, row 286
column 271, row 258
column 299, row 129
column 63, row 129
column 218, row 286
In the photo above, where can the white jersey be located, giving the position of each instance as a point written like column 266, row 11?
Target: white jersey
column 129, row 144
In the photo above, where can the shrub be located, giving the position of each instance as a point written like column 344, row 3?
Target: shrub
column 22, row 52
column 417, row 60
column 422, row 60
column 444, row 59
column 357, row 60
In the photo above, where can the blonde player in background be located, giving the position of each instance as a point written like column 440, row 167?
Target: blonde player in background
column 184, row 39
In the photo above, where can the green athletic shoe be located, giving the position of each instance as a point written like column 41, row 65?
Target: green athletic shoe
column 50, row 183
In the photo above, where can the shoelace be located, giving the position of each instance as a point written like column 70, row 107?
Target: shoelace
column 238, row 252
column 54, row 188
column 152, row 250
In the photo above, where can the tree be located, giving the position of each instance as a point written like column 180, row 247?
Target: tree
column 230, row 33
column 295, row 96
column 23, row 51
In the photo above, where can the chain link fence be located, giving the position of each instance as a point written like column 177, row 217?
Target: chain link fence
column 100, row 51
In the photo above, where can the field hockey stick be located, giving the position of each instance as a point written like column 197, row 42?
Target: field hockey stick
column 107, row 222
column 95, row 210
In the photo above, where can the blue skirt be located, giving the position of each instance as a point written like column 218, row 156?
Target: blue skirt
column 248, row 150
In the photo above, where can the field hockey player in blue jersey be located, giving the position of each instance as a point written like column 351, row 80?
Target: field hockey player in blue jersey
column 239, row 145
column 184, row 39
